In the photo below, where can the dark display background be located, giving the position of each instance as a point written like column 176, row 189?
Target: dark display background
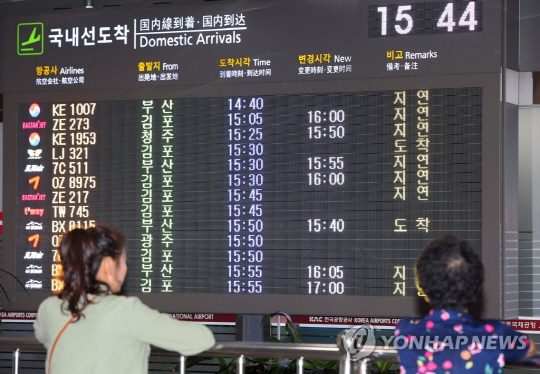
column 301, row 44
column 368, row 249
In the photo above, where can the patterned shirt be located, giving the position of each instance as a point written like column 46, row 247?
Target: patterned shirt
column 449, row 341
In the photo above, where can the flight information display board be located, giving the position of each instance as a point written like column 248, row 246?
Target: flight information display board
column 251, row 177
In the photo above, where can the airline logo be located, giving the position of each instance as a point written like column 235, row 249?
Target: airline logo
column 34, row 168
column 30, row 37
column 34, row 110
column 34, row 239
column 34, row 139
column 34, row 226
column 34, row 269
column 33, row 255
column 34, row 154
column 35, row 197
column 33, row 212
column 35, row 181
column 34, row 285
column 34, row 125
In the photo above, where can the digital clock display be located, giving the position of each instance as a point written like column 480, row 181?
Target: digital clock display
column 251, row 174
column 436, row 17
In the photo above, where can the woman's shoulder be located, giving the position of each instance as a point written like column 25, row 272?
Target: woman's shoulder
column 119, row 300
column 52, row 307
column 130, row 304
column 50, row 302
column 119, row 305
column 496, row 326
column 407, row 324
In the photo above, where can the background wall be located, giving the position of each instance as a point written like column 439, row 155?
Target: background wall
column 529, row 210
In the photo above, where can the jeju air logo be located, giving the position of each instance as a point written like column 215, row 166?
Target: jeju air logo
column 34, row 110
column 34, row 139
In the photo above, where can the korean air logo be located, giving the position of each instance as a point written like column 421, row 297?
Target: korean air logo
column 34, row 139
column 34, row 110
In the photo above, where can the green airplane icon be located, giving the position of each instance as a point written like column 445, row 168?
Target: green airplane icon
column 32, row 39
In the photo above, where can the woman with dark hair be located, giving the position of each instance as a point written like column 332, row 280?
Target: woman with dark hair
column 86, row 328
column 449, row 273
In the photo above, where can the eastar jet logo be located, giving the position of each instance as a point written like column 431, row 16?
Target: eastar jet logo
column 34, row 197
column 34, row 125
